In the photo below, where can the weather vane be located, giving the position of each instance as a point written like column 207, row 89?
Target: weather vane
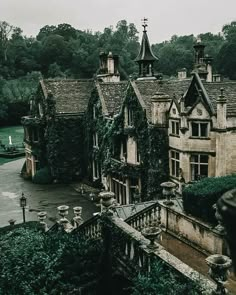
column 144, row 20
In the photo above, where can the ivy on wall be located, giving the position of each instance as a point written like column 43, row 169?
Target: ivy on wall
column 152, row 142
column 65, row 147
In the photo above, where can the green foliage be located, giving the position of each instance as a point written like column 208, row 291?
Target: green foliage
column 198, row 198
column 162, row 281
column 65, row 148
column 36, row 263
column 43, row 176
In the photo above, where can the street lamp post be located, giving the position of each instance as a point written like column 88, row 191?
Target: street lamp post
column 23, row 205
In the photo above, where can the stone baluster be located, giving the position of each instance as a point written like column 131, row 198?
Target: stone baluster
column 131, row 255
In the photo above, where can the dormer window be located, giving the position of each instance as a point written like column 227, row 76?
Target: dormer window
column 174, row 127
column 199, row 129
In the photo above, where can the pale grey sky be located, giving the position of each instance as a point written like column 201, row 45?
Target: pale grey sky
column 166, row 17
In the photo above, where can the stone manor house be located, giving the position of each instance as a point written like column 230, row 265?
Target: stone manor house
column 130, row 136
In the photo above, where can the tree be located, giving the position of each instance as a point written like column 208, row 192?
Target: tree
column 5, row 31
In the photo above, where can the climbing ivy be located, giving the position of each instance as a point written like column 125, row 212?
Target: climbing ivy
column 152, row 142
column 65, row 147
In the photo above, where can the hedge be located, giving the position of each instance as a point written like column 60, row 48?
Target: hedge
column 198, row 198
column 43, row 176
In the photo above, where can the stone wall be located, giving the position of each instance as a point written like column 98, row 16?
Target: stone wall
column 191, row 230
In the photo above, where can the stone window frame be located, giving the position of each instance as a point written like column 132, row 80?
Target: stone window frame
column 198, row 163
column 200, row 131
column 175, row 127
column 174, row 163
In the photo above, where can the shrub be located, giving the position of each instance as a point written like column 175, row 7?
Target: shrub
column 35, row 263
column 162, row 280
column 43, row 176
column 199, row 197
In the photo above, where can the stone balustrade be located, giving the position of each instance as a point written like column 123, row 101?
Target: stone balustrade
column 90, row 228
column 145, row 218
column 133, row 253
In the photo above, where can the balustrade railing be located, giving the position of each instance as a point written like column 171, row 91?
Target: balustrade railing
column 145, row 218
column 90, row 228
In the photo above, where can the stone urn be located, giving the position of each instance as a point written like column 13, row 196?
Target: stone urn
column 78, row 220
column 12, row 222
column 63, row 210
column 152, row 234
column 107, row 199
column 218, row 270
column 168, row 191
column 42, row 216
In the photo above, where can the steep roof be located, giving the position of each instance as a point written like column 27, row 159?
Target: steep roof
column 148, row 88
column 213, row 91
column 112, row 95
column 71, row 96
column 145, row 52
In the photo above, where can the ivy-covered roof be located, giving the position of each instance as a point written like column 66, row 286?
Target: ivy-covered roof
column 112, row 94
column 148, row 88
column 71, row 96
column 213, row 91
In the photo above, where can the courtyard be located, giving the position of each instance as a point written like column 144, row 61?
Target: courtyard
column 39, row 197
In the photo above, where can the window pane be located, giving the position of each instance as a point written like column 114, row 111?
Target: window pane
column 203, row 129
column 195, row 129
column 194, row 158
column 203, row 158
column 204, row 170
column 177, row 128
column 173, row 127
column 177, row 169
column 177, row 155
column 173, row 167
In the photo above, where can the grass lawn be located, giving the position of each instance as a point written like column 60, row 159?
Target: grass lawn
column 16, row 133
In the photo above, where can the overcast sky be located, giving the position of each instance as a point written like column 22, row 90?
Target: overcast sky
column 166, row 17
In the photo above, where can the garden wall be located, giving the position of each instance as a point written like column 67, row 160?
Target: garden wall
column 192, row 230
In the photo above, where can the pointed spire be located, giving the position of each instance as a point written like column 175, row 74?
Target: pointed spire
column 146, row 57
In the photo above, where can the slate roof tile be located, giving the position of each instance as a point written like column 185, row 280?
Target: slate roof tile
column 213, row 91
column 71, row 96
column 113, row 94
column 173, row 88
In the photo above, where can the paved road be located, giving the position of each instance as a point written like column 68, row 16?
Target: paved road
column 39, row 197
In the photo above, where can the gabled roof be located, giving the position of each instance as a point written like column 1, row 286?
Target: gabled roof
column 71, row 96
column 148, row 88
column 213, row 91
column 112, row 95
column 197, row 92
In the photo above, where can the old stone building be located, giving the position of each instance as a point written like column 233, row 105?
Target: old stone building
column 130, row 136
column 202, row 138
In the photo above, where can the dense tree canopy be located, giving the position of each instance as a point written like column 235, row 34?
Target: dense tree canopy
column 64, row 51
